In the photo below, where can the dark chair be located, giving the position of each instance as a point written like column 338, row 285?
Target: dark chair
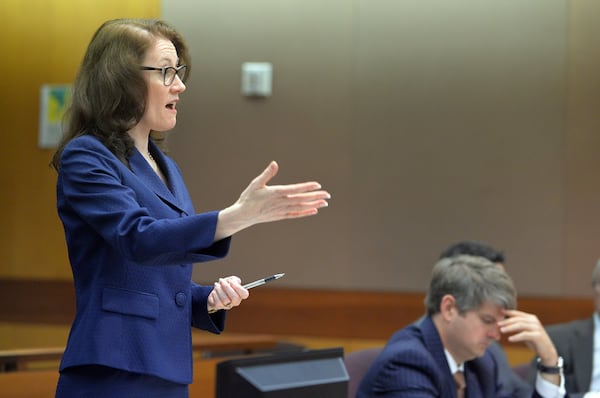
column 357, row 363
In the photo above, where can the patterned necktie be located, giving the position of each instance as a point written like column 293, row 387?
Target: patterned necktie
column 459, row 379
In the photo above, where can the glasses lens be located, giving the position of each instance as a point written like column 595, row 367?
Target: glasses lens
column 182, row 70
column 169, row 75
column 171, row 72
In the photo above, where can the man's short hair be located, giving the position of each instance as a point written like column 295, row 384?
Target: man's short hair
column 472, row 281
column 474, row 248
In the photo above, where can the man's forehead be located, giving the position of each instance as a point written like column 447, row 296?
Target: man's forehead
column 491, row 309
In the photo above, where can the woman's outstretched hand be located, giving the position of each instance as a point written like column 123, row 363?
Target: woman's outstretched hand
column 260, row 203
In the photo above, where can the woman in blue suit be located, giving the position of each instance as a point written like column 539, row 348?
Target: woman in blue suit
column 131, row 230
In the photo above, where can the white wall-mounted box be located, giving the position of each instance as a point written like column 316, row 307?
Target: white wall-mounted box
column 257, row 79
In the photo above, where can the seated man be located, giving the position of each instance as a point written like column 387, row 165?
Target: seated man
column 469, row 303
column 513, row 385
column 578, row 342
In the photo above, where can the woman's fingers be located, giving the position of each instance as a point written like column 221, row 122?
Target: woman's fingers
column 227, row 293
column 263, row 178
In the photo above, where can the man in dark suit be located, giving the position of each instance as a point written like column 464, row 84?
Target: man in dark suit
column 512, row 384
column 469, row 304
column 575, row 342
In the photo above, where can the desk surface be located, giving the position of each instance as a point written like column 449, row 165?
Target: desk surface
column 42, row 383
column 203, row 344
column 202, row 341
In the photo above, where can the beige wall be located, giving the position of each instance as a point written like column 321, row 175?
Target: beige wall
column 582, row 147
column 428, row 121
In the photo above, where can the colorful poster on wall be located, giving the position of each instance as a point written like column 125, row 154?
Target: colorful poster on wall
column 54, row 100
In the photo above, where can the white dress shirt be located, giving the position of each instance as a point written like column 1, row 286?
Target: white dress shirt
column 542, row 386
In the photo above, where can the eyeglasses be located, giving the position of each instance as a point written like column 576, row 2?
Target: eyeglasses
column 169, row 72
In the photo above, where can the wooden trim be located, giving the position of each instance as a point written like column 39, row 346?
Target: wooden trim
column 348, row 314
column 28, row 384
column 360, row 314
column 203, row 344
column 37, row 301
column 18, row 360
column 283, row 311
column 42, row 383
column 245, row 343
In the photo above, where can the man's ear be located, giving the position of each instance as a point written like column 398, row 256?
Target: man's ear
column 448, row 308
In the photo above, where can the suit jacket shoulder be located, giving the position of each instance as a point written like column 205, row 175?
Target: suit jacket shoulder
column 413, row 364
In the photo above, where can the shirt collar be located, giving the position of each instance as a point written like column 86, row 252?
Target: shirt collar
column 454, row 367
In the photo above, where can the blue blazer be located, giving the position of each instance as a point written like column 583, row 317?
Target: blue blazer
column 131, row 242
column 512, row 384
column 413, row 364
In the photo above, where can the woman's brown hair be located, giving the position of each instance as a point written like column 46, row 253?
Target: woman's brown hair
column 109, row 92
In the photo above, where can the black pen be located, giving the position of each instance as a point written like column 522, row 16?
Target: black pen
column 262, row 281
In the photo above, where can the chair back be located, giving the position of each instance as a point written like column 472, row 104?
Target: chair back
column 357, row 363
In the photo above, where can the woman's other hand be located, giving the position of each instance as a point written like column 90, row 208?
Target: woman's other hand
column 227, row 293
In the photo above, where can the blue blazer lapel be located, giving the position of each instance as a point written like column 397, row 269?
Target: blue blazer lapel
column 144, row 172
column 433, row 342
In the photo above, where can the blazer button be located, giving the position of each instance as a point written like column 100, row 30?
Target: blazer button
column 180, row 299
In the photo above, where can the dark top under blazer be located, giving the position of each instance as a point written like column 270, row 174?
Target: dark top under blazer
column 413, row 364
column 131, row 242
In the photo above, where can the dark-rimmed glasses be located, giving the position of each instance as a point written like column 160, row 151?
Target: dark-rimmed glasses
column 169, row 72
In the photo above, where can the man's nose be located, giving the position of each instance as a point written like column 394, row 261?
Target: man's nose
column 494, row 332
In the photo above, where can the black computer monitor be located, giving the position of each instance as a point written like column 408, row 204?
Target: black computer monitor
column 297, row 374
